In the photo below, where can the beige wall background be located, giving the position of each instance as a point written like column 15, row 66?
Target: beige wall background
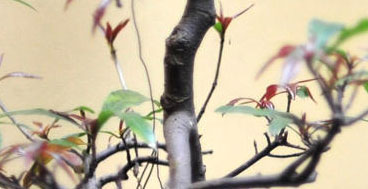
column 77, row 70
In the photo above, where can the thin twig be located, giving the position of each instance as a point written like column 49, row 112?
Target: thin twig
column 129, row 159
column 149, row 174
column 357, row 118
column 267, row 138
column 287, row 144
column 288, row 103
column 121, row 147
column 286, row 156
column 255, row 147
column 122, row 174
column 207, row 152
column 254, row 159
column 14, row 121
column 140, row 54
column 214, row 84
column 351, row 99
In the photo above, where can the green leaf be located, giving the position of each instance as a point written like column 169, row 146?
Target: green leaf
column 279, row 119
column 277, row 124
column 366, row 86
column 302, row 92
column 347, row 33
column 39, row 111
column 253, row 111
column 140, row 127
column 320, row 31
column 26, row 4
column 117, row 102
column 84, row 108
column 218, row 27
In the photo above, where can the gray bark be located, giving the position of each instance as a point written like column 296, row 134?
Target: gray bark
column 180, row 128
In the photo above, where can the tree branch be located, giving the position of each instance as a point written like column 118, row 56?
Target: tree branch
column 214, row 84
column 288, row 177
column 9, row 182
column 255, row 181
column 265, row 152
column 359, row 117
column 180, row 128
column 121, row 147
column 123, row 172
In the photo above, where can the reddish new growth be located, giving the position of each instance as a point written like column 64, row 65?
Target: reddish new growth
column 111, row 34
column 43, row 131
column 225, row 21
column 274, row 90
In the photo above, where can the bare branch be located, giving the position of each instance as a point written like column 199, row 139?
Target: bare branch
column 255, row 147
column 121, row 147
column 207, row 152
column 286, row 156
column 255, row 181
column 9, row 182
column 288, row 177
column 265, row 152
column 214, row 83
column 357, row 118
column 122, row 174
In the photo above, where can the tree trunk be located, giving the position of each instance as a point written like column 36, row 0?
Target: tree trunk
column 180, row 127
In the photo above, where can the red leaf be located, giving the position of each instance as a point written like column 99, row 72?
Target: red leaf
column 108, row 33
column 226, row 21
column 270, row 92
column 99, row 13
column 118, row 28
column 283, row 52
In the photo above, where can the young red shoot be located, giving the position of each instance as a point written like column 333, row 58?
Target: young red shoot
column 111, row 34
column 224, row 22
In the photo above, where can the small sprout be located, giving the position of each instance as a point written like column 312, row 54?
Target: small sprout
column 43, row 131
column 111, row 34
column 223, row 22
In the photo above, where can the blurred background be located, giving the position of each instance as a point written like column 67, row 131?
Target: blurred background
column 77, row 70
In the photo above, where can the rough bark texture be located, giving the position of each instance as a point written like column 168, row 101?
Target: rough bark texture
column 180, row 128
